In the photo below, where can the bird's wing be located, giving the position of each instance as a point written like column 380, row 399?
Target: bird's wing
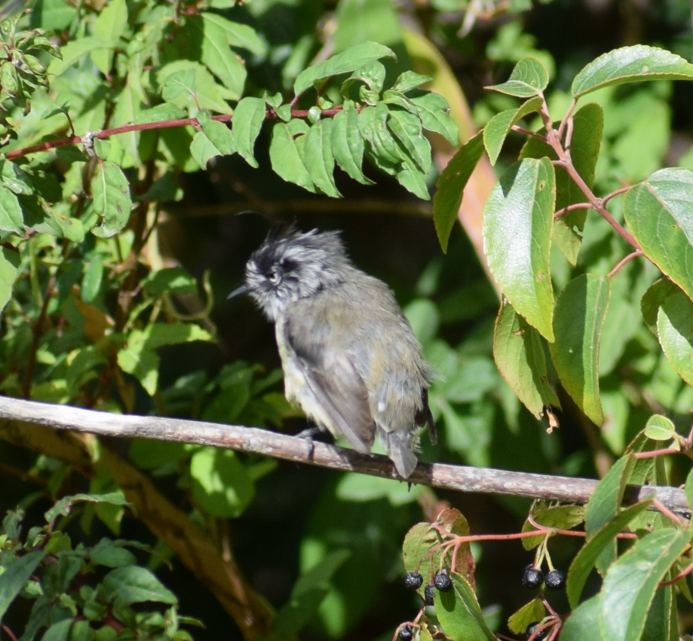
column 337, row 386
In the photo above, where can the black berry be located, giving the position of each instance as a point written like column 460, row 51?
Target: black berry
column 538, row 636
column 406, row 633
column 555, row 580
column 532, row 577
column 442, row 581
column 413, row 581
column 429, row 593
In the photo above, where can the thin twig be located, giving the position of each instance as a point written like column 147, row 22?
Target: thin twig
column 572, row 207
column 615, row 193
column 623, row 261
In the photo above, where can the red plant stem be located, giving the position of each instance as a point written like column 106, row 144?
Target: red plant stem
column 653, row 453
column 572, row 207
column 163, row 124
column 678, row 577
column 667, row 512
column 623, row 261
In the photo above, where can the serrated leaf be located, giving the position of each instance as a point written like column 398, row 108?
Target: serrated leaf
column 587, row 557
column 407, row 129
column 659, row 212
column 373, row 127
column 286, row 158
column 528, row 78
column 631, row 582
column 347, row 143
column 112, row 201
column 164, row 111
column 675, row 332
column 371, row 74
column 247, row 124
column 11, row 218
column 631, row 64
column 213, row 139
column 588, row 124
column 660, row 428
column 15, row 576
column 216, row 53
column 345, row 62
column 9, row 266
column 564, row 517
column 450, row 187
column 582, row 622
column 237, row 34
column 197, row 88
column 433, row 110
column 497, row 129
column 529, row 613
column 410, row 80
column 605, row 505
column 65, row 505
column 413, row 179
column 518, row 217
column 134, row 584
column 318, row 158
column 519, row 354
column 459, row 613
column 220, row 482
column 578, row 319
column 75, row 50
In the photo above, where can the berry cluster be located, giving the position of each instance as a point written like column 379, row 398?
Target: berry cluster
column 533, row 577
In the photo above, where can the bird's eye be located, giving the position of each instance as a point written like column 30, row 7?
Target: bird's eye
column 273, row 276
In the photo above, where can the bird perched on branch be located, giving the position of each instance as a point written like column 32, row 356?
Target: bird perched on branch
column 350, row 358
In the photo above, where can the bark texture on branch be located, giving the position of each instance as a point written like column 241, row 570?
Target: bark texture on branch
column 265, row 442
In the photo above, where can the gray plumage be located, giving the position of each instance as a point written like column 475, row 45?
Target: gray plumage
column 350, row 358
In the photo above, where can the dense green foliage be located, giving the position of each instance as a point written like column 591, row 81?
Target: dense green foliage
column 112, row 282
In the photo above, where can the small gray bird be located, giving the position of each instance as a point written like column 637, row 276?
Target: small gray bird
column 350, row 358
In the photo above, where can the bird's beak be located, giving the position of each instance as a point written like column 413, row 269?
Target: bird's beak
column 239, row 291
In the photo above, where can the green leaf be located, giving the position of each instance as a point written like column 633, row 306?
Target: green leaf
column 237, row 34
column 362, row 488
column 605, row 505
column 582, row 622
column 660, row 428
column 127, row 108
column 134, row 584
column 409, row 80
column 653, row 299
column 519, row 354
column 286, row 158
column 433, row 110
column 345, row 62
column 213, row 139
column 112, row 201
column 631, row 64
column 459, row 613
column 529, row 613
column 15, row 577
column 75, row 50
column 220, row 482
column 578, row 320
column 588, row 555
column 563, row 517
column 450, row 187
column 373, row 127
column 139, row 357
column 528, row 78
column 413, row 179
column 11, row 218
column 658, row 211
column 196, row 88
column 65, row 505
column 173, row 280
column 407, row 129
column 588, row 124
column 247, row 124
column 307, row 594
column 93, row 277
column 631, row 582
column 498, row 127
column 9, row 268
column 164, row 111
column 216, row 54
column 109, row 27
column 347, row 143
column 318, row 158
column 518, row 216
column 675, row 333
